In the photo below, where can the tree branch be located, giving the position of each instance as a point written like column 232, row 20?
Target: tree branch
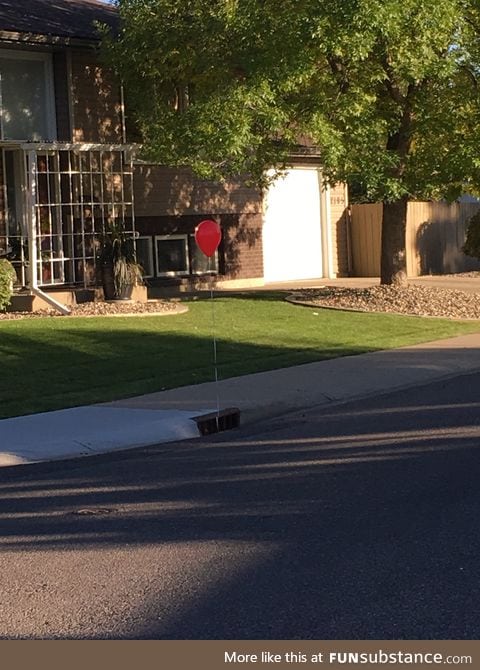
column 339, row 72
column 391, row 85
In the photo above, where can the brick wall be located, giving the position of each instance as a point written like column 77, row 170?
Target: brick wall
column 160, row 190
column 60, row 76
column 96, row 100
column 240, row 252
column 173, row 201
column 243, row 247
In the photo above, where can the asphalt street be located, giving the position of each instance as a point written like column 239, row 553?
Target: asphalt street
column 354, row 521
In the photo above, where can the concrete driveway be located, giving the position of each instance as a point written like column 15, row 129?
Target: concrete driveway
column 460, row 282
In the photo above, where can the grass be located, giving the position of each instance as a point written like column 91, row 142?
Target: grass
column 49, row 364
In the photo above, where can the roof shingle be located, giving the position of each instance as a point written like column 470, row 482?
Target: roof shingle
column 56, row 18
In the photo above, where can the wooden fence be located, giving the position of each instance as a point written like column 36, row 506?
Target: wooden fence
column 434, row 238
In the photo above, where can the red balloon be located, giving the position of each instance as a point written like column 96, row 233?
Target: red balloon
column 207, row 236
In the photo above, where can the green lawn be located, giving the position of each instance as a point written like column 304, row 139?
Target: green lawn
column 52, row 363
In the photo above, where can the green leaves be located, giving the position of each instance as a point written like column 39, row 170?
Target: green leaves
column 385, row 88
column 7, row 277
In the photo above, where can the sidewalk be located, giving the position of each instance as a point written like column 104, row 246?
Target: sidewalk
column 167, row 416
column 266, row 394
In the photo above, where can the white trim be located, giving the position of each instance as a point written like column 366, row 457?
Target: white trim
column 47, row 60
column 122, row 113
column 70, row 146
column 326, row 230
column 32, row 220
column 330, row 274
column 172, row 273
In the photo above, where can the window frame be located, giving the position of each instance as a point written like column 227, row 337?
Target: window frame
column 47, row 59
column 173, row 273
column 199, row 273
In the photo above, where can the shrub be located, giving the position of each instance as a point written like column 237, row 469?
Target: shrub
column 472, row 242
column 7, row 277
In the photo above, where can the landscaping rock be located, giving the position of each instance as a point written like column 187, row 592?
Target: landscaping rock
column 100, row 308
column 413, row 300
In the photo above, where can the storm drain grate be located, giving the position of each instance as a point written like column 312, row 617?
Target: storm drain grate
column 216, row 422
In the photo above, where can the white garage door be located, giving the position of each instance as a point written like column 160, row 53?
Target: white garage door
column 292, row 236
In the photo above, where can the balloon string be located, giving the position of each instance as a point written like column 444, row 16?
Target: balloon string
column 215, row 366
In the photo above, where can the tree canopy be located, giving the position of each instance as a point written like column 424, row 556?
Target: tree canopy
column 387, row 90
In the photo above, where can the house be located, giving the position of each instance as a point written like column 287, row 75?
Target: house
column 297, row 230
column 67, row 170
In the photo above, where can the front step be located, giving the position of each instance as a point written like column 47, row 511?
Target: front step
column 23, row 301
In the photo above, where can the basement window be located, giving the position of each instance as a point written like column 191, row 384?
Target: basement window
column 178, row 255
column 172, row 255
column 201, row 264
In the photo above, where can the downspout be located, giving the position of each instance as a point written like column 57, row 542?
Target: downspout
column 32, row 237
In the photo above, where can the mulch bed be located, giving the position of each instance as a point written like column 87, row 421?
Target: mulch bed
column 114, row 308
column 412, row 300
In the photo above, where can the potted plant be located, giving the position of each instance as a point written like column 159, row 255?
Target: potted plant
column 119, row 269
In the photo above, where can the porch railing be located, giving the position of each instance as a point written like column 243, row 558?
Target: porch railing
column 57, row 199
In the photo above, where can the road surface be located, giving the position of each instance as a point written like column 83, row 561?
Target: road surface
column 358, row 521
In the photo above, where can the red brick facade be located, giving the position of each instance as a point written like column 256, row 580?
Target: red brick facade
column 175, row 201
column 88, row 109
column 62, row 112
column 96, row 103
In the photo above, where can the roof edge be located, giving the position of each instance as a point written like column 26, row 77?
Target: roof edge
column 38, row 39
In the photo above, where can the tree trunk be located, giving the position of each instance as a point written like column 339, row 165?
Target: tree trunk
column 393, row 259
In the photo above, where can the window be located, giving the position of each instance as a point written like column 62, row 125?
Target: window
column 177, row 255
column 201, row 264
column 27, row 98
column 144, row 248
column 172, row 255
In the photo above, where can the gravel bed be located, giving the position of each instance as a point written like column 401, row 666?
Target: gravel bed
column 413, row 300
column 462, row 275
column 114, row 308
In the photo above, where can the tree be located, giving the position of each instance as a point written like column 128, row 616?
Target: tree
column 386, row 89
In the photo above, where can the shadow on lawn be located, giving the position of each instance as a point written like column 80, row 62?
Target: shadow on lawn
column 81, row 366
column 366, row 515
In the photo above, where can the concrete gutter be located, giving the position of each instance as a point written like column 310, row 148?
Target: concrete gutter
column 169, row 416
column 266, row 394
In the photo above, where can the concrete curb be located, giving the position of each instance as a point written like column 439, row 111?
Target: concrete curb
column 166, row 416
column 267, row 394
